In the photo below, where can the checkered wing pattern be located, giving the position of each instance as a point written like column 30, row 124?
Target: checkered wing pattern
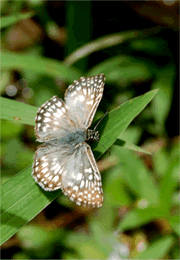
column 83, row 98
column 65, row 161
column 74, row 171
column 81, row 181
column 53, row 121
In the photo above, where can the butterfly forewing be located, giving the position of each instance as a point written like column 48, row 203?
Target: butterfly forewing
column 52, row 120
column 83, row 98
column 65, row 161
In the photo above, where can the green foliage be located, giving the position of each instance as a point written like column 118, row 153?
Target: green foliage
column 38, row 64
column 11, row 19
column 140, row 185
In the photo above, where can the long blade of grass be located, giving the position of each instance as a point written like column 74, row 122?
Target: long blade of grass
column 116, row 121
column 17, row 111
column 21, row 200
column 106, row 42
column 39, row 65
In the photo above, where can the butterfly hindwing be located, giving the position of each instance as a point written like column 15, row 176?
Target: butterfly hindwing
column 81, row 182
column 54, row 168
column 48, row 166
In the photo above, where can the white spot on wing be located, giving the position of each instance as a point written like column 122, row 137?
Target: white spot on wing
column 90, row 102
column 82, row 184
column 81, row 98
column 47, row 114
column 79, row 176
column 56, row 178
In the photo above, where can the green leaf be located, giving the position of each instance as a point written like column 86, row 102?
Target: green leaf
column 158, row 249
column 17, row 111
column 106, row 42
column 120, row 142
column 12, row 19
column 136, row 176
column 116, row 121
column 21, row 200
column 38, row 65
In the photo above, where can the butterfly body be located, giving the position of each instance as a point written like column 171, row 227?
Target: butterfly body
column 64, row 160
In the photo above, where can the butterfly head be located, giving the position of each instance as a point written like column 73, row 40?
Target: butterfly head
column 92, row 135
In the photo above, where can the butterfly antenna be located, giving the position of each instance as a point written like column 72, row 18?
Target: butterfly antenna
column 100, row 120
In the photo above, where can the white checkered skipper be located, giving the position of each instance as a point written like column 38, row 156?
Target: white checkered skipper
column 64, row 160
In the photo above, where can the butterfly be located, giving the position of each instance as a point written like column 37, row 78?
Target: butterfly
column 65, row 160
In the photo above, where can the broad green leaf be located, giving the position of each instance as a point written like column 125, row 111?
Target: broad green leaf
column 38, row 65
column 17, row 111
column 12, row 19
column 158, row 249
column 21, row 200
column 118, row 119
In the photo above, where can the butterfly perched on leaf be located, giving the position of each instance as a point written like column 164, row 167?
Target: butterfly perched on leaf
column 65, row 161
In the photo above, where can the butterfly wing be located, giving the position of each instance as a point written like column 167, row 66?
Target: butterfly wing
column 81, row 181
column 53, row 121
column 74, row 170
column 83, row 97
column 62, row 162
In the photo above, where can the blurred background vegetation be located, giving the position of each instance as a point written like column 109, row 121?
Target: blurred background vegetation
column 45, row 45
